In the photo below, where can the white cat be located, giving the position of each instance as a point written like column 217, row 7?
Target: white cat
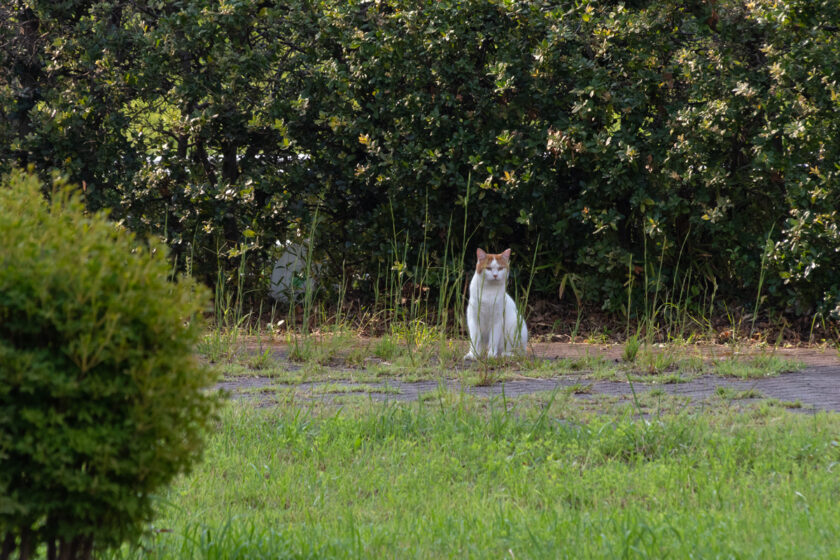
column 496, row 328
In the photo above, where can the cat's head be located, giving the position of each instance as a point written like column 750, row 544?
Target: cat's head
column 494, row 268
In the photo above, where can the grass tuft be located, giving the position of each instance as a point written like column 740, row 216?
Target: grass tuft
column 750, row 367
column 631, row 349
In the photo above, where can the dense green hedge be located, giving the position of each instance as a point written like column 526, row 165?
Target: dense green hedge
column 601, row 129
column 102, row 401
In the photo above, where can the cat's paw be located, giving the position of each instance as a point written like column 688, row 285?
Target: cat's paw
column 469, row 356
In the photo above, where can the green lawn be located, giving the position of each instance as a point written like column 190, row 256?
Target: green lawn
column 551, row 476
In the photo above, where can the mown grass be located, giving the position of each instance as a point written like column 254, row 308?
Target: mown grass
column 755, row 366
column 338, row 388
column 540, row 477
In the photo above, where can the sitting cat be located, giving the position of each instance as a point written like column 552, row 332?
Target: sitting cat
column 495, row 326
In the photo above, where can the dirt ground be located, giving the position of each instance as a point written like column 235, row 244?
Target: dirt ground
column 816, row 386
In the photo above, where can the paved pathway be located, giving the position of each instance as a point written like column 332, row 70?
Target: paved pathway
column 817, row 386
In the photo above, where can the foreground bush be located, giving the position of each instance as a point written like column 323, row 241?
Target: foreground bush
column 101, row 399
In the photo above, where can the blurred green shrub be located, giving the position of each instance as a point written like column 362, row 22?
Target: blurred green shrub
column 101, row 399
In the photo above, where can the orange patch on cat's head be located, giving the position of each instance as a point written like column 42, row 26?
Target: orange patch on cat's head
column 486, row 259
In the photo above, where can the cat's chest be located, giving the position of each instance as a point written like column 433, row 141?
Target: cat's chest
column 487, row 299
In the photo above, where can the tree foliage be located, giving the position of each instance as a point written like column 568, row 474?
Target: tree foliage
column 614, row 133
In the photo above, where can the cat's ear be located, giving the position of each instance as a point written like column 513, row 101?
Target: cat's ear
column 506, row 255
column 480, row 254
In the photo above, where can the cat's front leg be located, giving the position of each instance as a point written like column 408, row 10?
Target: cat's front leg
column 507, row 347
column 495, row 344
column 475, row 336
column 476, row 349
